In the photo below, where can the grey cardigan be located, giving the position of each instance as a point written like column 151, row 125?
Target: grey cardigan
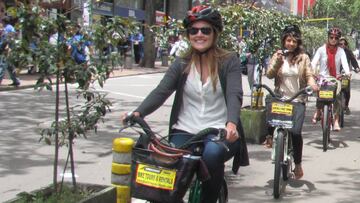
column 174, row 80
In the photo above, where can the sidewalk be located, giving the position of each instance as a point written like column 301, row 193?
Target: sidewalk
column 29, row 80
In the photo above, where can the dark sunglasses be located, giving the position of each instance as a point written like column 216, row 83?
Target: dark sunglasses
column 204, row 30
column 337, row 38
column 342, row 44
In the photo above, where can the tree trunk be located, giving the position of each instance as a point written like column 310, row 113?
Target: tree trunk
column 149, row 41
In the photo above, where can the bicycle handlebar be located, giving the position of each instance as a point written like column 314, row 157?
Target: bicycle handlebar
column 131, row 120
column 307, row 90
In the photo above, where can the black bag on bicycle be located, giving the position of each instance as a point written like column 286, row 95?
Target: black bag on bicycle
column 159, row 178
column 290, row 115
column 327, row 93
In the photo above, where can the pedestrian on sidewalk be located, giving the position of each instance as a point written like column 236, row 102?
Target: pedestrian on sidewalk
column 8, row 35
column 137, row 42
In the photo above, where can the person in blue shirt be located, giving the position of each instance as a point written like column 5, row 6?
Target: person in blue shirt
column 79, row 46
column 7, row 35
column 137, row 42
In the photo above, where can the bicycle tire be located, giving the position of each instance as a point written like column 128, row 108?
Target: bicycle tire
column 326, row 127
column 223, row 195
column 287, row 166
column 279, row 158
column 342, row 106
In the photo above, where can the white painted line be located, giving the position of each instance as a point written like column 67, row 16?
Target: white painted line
column 122, row 94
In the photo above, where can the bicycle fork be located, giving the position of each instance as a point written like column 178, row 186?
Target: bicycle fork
column 287, row 155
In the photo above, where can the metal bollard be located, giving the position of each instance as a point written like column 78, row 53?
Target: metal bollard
column 121, row 168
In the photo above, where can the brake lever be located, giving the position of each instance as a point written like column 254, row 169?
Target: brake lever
column 222, row 138
column 128, row 120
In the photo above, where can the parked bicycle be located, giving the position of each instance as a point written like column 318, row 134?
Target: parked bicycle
column 326, row 97
column 280, row 114
column 163, row 173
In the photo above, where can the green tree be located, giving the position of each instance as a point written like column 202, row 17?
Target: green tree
column 345, row 12
column 149, row 40
column 55, row 60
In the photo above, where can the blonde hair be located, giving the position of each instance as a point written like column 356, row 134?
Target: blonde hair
column 213, row 56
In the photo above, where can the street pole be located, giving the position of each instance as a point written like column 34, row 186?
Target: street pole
column 327, row 15
column 303, row 9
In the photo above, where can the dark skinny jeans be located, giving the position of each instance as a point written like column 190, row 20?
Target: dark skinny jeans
column 214, row 156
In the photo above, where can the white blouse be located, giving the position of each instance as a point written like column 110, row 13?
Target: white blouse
column 204, row 107
column 290, row 81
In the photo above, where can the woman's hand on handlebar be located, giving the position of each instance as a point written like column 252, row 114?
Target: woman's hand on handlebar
column 315, row 87
column 231, row 133
column 126, row 115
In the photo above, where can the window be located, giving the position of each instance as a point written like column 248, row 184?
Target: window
column 137, row 4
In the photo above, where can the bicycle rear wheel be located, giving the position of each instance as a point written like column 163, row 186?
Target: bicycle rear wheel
column 326, row 127
column 279, row 158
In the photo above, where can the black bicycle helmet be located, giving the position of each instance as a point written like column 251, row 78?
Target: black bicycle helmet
column 334, row 31
column 204, row 13
column 293, row 30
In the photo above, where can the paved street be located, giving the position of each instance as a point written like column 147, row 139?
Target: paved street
column 26, row 164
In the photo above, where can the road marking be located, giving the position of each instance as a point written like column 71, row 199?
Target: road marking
column 122, row 94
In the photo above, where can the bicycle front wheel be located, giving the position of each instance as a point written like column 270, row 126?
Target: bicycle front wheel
column 342, row 107
column 223, row 195
column 326, row 127
column 279, row 158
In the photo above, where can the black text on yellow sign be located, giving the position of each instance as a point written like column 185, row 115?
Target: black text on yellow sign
column 155, row 177
column 282, row 108
column 326, row 94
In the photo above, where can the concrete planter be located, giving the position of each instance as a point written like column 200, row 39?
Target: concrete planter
column 102, row 193
column 164, row 57
column 254, row 124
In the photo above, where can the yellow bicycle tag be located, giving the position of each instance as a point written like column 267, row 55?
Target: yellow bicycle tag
column 282, row 108
column 153, row 176
column 344, row 83
column 326, row 94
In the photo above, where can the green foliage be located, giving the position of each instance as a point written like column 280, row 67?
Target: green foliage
column 68, row 195
column 313, row 38
column 264, row 26
column 83, row 118
column 51, row 58
column 164, row 31
column 345, row 12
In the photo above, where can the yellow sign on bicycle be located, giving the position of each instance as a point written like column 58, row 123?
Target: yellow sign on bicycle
column 282, row 108
column 156, row 177
column 326, row 94
column 345, row 83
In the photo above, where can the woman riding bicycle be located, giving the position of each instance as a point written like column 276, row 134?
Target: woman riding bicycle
column 330, row 58
column 353, row 64
column 207, row 82
column 290, row 66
